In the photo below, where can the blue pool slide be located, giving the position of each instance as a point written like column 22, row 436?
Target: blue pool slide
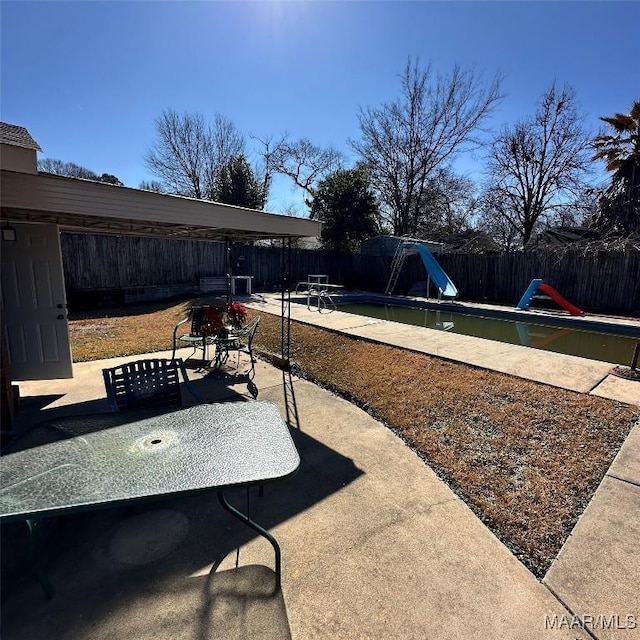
column 435, row 271
column 525, row 301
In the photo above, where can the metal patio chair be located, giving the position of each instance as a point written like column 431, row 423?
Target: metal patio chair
column 201, row 329
column 242, row 342
column 147, row 384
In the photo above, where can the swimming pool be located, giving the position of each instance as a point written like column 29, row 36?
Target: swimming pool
column 615, row 345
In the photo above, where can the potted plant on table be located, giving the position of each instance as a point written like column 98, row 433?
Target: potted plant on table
column 237, row 315
column 214, row 322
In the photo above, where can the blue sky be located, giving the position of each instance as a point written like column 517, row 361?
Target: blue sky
column 89, row 78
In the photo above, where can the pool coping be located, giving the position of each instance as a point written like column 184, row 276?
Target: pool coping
column 567, row 372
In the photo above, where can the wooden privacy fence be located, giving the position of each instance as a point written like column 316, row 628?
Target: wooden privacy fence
column 605, row 281
column 121, row 262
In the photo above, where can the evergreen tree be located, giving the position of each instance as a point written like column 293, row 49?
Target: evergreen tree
column 236, row 184
column 346, row 205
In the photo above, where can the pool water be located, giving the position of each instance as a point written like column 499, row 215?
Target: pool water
column 607, row 347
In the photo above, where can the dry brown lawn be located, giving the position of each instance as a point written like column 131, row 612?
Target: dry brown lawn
column 526, row 457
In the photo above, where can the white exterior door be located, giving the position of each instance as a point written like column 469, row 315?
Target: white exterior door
column 34, row 304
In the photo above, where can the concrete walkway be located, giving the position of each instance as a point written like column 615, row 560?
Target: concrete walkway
column 374, row 546
column 598, row 569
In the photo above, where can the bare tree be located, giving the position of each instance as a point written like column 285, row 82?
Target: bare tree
column 225, row 144
column 271, row 150
column 188, row 153
column 449, row 205
column 404, row 142
column 179, row 155
column 301, row 160
column 304, row 162
column 151, row 185
column 537, row 168
column 503, row 233
column 62, row 168
column 73, row 170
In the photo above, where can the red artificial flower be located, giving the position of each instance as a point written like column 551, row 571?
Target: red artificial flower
column 237, row 314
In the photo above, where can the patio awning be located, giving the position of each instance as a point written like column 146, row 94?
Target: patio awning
column 93, row 207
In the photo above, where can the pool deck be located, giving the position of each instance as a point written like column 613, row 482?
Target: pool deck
column 375, row 545
column 596, row 572
column 567, row 372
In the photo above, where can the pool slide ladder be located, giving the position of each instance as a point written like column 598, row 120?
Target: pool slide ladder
column 317, row 286
column 434, row 271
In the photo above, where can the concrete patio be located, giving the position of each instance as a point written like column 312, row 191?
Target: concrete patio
column 374, row 545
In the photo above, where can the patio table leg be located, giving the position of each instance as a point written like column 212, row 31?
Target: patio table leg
column 204, row 352
column 263, row 532
column 220, row 356
column 36, row 557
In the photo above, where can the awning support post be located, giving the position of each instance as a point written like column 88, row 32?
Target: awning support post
column 285, row 311
column 228, row 258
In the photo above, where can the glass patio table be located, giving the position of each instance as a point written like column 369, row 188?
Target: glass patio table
column 207, row 448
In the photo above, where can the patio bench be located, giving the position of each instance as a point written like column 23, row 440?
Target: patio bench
column 213, row 284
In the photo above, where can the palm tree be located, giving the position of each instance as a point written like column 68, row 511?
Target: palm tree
column 620, row 203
